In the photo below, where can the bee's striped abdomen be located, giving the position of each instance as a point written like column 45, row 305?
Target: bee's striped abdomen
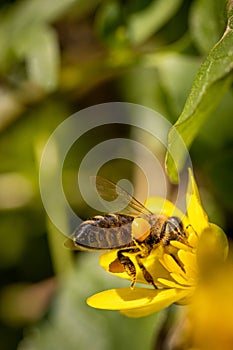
column 105, row 232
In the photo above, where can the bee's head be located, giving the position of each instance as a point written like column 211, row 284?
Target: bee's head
column 174, row 228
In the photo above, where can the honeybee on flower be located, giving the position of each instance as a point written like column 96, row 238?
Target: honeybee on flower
column 161, row 249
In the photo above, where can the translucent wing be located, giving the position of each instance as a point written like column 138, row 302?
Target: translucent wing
column 95, row 233
column 110, row 191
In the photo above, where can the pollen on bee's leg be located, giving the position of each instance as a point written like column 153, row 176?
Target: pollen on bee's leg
column 140, row 229
column 116, row 267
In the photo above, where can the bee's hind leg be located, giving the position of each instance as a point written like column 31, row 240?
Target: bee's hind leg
column 127, row 263
column 145, row 273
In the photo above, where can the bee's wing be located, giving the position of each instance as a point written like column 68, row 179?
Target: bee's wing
column 110, row 191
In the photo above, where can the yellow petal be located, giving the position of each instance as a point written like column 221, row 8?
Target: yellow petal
column 189, row 260
column 197, row 216
column 212, row 250
column 122, row 298
column 164, row 299
column 170, row 264
column 151, row 263
column 219, row 239
column 188, row 299
column 183, row 280
column 193, row 238
column 180, row 245
column 145, row 300
column 162, row 206
column 172, row 284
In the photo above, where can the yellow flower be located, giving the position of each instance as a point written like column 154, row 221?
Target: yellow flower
column 174, row 268
column 211, row 313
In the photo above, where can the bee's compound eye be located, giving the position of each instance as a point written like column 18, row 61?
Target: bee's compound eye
column 174, row 224
column 175, row 221
column 140, row 229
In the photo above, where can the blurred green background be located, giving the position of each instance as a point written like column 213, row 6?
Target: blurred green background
column 57, row 58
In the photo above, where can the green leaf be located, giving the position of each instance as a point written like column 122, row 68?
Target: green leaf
column 229, row 8
column 23, row 18
column 207, row 23
column 109, row 23
column 25, row 13
column 214, row 126
column 142, row 24
column 119, row 24
column 211, row 83
column 39, row 48
column 176, row 73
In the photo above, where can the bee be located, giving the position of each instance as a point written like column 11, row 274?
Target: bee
column 135, row 230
